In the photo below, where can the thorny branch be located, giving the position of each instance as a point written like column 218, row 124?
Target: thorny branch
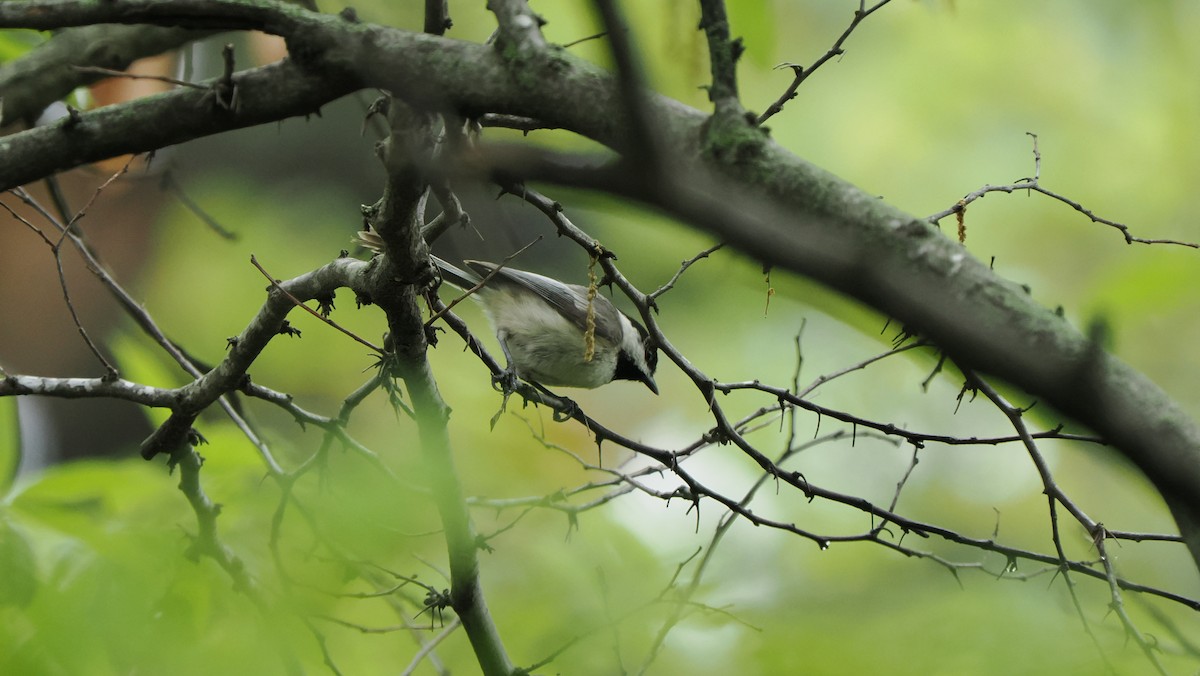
column 1034, row 184
column 802, row 73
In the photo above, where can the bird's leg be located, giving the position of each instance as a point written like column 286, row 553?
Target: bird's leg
column 506, row 380
column 565, row 408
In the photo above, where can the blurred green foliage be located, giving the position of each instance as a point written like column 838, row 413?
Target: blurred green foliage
column 14, row 44
column 931, row 99
column 10, row 442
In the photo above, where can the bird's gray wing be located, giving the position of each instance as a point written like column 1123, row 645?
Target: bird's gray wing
column 569, row 299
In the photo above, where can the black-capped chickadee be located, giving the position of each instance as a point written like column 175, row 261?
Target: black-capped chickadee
column 542, row 327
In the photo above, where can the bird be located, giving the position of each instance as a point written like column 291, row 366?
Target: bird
column 542, row 326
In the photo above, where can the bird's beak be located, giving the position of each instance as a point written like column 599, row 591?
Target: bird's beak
column 649, row 380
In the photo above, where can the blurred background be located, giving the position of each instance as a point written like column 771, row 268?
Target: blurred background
column 932, row 99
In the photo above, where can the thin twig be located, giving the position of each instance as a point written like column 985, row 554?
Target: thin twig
column 682, row 268
column 96, row 70
column 801, row 73
column 1033, row 184
column 1117, row 605
column 427, row 648
column 169, row 183
column 525, row 124
column 66, row 233
column 467, row 293
column 597, row 36
column 298, row 303
column 147, row 324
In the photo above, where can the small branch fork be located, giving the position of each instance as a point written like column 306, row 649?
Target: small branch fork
column 723, row 55
column 67, row 232
column 959, row 208
column 323, row 315
column 1056, row 497
column 800, row 73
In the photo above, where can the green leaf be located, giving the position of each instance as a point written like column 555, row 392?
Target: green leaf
column 82, row 499
column 17, row 566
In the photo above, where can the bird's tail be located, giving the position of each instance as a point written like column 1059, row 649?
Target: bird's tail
column 454, row 275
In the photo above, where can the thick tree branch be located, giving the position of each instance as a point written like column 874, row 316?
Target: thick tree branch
column 230, row 374
column 48, row 73
column 266, row 94
column 340, row 56
column 86, row 388
column 266, row 16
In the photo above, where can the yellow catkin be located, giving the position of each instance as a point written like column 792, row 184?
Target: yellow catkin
column 589, row 335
